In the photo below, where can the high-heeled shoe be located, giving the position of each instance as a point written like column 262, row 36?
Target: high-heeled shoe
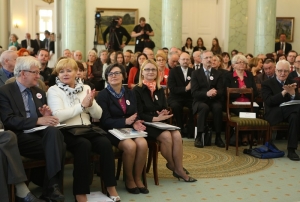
column 179, row 177
column 134, row 190
column 115, row 198
column 185, row 170
column 143, row 190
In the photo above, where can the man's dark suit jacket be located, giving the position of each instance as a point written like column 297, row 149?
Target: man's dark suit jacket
column 177, row 84
column 288, row 47
column 113, row 115
column 33, row 44
column 271, row 94
column 232, row 82
column 13, row 114
column 42, row 44
column 200, row 86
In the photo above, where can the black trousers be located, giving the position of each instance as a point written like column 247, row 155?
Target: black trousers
column 45, row 144
column 177, row 109
column 81, row 147
column 203, row 110
column 291, row 114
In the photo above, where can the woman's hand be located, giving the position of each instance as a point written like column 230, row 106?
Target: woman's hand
column 130, row 120
column 89, row 98
column 164, row 112
column 45, row 110
column 138, row 125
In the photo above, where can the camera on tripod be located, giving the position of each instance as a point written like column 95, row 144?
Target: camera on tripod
column 98, row 18
column 114, row 22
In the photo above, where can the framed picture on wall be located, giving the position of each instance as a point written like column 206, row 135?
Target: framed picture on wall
column 285, row 25
column 130, row 19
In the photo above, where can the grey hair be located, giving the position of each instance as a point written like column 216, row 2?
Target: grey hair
column 94, row 52
column 5, row 55
column 239, row 57
column 170, row 54
column 283, row 62
column 202, row 53
column 25, row 63
column 12, row 48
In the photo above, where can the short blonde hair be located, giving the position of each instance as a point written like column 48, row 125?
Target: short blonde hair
column 141, row 77
column 63, row 63
column 161, row 55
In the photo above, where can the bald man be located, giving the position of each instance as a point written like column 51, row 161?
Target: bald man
column 8, row 61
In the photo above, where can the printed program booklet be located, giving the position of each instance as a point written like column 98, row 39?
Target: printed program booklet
column 163, row 126
column 126, row 133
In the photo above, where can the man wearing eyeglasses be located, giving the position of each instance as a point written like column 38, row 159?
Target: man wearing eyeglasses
column 179, row 83
column 276, row 91
column 8, row 61
column 23, row 106
column 207, row 91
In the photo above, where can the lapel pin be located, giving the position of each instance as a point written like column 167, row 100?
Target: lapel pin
column 127, row 102
column 39, row 95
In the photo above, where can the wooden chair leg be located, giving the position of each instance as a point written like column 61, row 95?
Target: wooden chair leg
column 236, row 141
column 119, row 166
column 155, row 160
column 11, row 189
column 150, row 157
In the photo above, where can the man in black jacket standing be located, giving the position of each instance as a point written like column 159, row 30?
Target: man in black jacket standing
column 116, row 33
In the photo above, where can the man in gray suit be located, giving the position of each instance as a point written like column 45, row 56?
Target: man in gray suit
column 11, row 169
column 8, row 61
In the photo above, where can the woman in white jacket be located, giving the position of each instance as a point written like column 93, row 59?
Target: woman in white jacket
column 73, row 104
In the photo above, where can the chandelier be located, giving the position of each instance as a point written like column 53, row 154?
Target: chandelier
column 48, row 1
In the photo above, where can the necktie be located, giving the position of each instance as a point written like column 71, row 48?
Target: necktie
column 197, row 67
column 31, row 104
column 292, row 68
column 28, row 43
column 282, row 83
column 207, row 75
column 281, row 47
column 38, row 41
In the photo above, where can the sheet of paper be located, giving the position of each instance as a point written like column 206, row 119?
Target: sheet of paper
column 251, row 115
column 98, row 197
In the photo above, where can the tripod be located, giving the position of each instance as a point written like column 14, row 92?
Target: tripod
column 96, row 36
column 112, row 37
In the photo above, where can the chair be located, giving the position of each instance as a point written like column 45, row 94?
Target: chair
column 243, row 124
column 153, row 146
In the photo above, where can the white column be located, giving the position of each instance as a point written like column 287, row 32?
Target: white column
column 171, row 23
column 4, row 20
column 265, row 26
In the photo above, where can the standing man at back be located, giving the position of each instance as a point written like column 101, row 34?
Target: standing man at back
column 47, row 40
column 207, row 91
column 179, row 83
column 142, row 33
column 116, row 33
column 283, row 47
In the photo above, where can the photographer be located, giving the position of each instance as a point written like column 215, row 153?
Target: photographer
column 116, row 33
column 142, row 33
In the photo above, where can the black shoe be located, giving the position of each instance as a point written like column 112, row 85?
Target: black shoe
column 28, row 198
column 219, row 142
column 143, row 190
column 134, row 190
column 179, row 177
column 53, row 193
column 293, row 156
column 198, row 143
column 185, row 170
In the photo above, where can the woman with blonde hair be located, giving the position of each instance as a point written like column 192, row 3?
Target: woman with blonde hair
column 13, row 41
column 152, row 107
column 161, row 61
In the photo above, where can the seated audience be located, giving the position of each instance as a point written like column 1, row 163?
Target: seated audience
column 133, row 77
column 161, row 61
column 215, row 47
column 23, row 52
column 13, row 41
column 110, row 60
column 8, row 61
column 255, row 66
column 200, row 45
column 268, row 71
column 152, row 107
column 280, row 57
column 188, row 47
column 173, row 58
column 45, row 71
column 276, row 91
column 226, row 61
column 92, row 57
column 119, row 111
column 81, row 74
column 73, row 104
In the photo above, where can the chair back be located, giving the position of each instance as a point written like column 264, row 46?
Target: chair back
column 239, row 91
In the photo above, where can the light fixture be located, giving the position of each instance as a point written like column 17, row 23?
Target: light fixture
column 48, row 1
column 16, row 23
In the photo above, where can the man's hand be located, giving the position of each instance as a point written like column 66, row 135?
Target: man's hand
column 123, row 45
column 142, row 32
column 211, row 93
column 188, row 87
column 45, row 110
column 138, row 125
column 147, row 32
column 290, row 89
column 47, row 121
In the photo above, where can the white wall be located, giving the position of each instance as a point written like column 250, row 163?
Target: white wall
column 91, row 5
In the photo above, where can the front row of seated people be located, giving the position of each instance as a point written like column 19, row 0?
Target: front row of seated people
column 24, row 106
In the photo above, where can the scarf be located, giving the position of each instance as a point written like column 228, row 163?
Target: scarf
column 71, row 92
column 113, row 92
column 151, row 86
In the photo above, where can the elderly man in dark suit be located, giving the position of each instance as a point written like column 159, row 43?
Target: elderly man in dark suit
column 268, row 71
column 179, row 83
column 8, row 61
column 282, row 47
column 276, row 91
column 29, row 42
column 11, row 169
column 23, row 106
column 207, row 91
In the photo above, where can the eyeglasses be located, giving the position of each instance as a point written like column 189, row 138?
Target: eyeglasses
column 238, row 63
column 111, row 74
column 206, row 58
column 33, row 72
column 150, row 70
column 160, row 60
column 283, row 71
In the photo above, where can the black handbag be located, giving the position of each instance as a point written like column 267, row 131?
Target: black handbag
column 148, row 43
column 84, row 129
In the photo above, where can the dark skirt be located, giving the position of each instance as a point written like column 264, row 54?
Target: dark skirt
column 153, row 132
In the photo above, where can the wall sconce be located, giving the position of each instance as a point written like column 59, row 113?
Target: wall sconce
column 16, row 23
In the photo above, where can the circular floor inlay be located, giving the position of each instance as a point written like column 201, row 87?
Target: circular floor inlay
column 214, row 162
